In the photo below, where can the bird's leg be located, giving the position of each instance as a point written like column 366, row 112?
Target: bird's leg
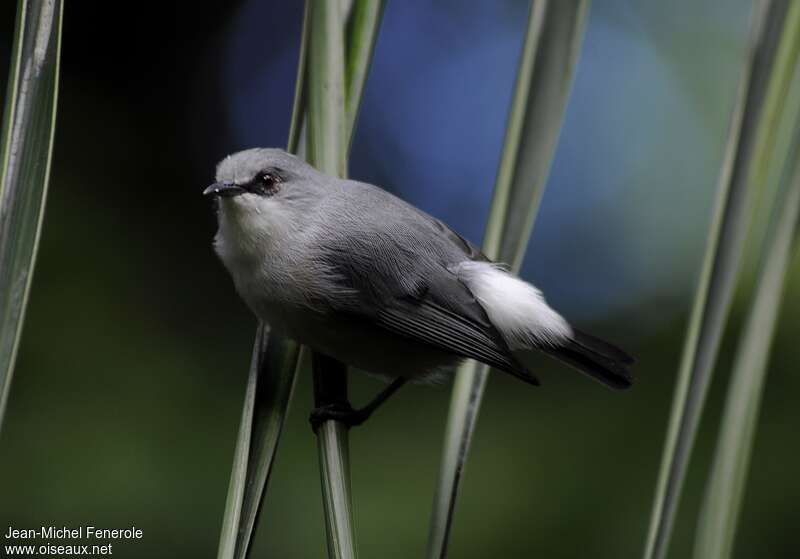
column 344, row 412
column 364, row 413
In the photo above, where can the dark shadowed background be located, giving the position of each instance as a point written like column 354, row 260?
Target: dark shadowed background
column 130, row 377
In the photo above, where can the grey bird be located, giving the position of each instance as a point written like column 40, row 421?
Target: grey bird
column 365, row 278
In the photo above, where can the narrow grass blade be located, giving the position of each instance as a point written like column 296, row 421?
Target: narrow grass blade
column 550, row 52
column 362, row 32
column 27, row 146
column 462, row 417
column 270, row 385
column 300, row 89
column 717, row 525
column 326, row 90
column 732, row 212
column 274, row 366
column 726, row 481
column 329, row 133
column 330, row 387
column 336, row 494
column 241, row 457
column 550, row 55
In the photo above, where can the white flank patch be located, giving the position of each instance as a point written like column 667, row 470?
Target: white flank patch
column 516, row 308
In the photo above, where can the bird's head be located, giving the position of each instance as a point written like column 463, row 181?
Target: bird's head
column 261, row 189
column 255, row 175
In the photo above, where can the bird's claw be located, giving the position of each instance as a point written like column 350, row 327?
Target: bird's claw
column 342, row 412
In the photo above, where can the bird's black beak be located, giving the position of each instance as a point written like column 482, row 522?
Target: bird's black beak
column 224, row 189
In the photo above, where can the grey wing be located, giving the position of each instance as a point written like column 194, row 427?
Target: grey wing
column 398, row 281
column 425, row 321
column 470, row 251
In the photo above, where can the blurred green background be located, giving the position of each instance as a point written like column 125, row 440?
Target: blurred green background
column 130, row 377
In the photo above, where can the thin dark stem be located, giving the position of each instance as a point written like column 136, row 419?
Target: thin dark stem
column 384, row 395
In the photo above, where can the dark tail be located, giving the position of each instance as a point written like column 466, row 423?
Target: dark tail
column 596, row 358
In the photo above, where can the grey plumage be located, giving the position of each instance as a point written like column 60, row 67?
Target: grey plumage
column 360, row 275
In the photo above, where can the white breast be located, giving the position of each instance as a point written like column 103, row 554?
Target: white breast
column 263, row 252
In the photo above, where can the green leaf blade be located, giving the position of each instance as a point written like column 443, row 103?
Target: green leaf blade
column 270, row 385
column 318, row 104
column 722, row 502
column 724, row 247
column 326, row 93
column 549, row 57
column 268, row 394
column 362, row 32
column 716, row 527
column 327, row 151
column 334, row 464
column 27, row 146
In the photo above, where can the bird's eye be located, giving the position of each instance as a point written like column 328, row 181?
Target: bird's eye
column 266, row 184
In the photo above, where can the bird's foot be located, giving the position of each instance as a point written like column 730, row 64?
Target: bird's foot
column 343, row 413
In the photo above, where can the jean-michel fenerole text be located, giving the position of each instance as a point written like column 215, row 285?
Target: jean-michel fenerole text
column 79, row 533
